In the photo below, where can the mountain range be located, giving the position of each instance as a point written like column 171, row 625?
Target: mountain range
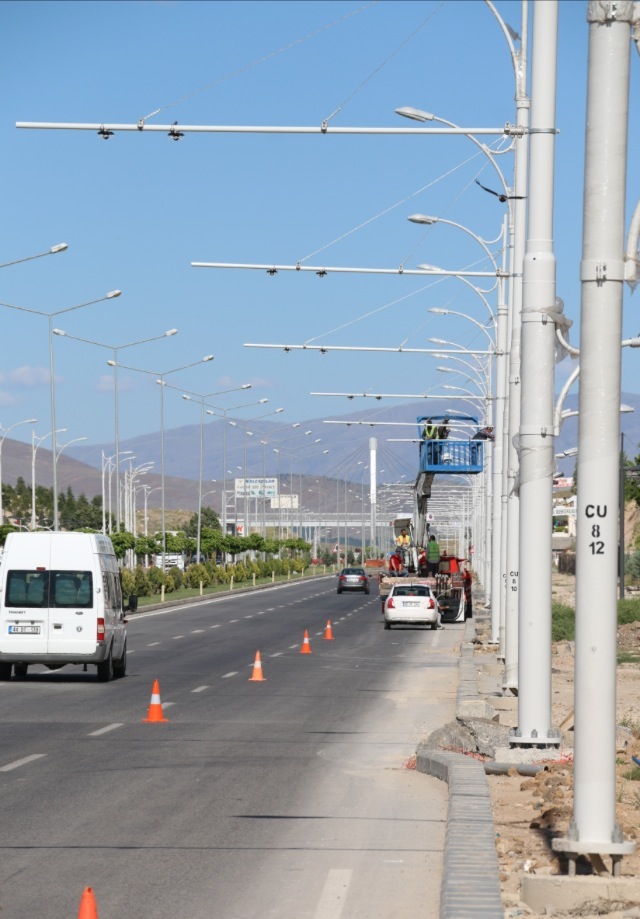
column 254, row 449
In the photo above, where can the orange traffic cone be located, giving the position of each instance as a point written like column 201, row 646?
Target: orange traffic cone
column 88, row 908
column 306, row 647
column 256, row 676
column 155, row 707
column 328, row 634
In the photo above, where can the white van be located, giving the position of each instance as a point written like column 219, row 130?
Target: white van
column 61, row 603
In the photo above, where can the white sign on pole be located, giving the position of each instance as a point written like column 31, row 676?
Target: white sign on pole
column 256, row 487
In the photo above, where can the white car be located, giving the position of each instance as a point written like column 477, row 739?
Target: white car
column 411, row 604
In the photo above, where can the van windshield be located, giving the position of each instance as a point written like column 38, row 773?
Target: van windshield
column 42, row 589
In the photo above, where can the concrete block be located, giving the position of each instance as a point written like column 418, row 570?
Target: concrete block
column 565, row 894
column 474, row 708
column 531, row 754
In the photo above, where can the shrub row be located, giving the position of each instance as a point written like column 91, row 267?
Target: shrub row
column 145, row 582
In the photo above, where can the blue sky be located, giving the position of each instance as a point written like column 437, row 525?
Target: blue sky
column 138, row 209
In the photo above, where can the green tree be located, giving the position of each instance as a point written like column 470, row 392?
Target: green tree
column 121, row 542
column 5, row 529
column 210, row 520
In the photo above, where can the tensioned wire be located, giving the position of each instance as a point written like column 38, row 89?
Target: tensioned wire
column 261, row 60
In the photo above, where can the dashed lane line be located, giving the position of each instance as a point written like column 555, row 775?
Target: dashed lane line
column 334, row 894
column 21, row 762
column 105, row 730
column 232, row 673
column 200, row 689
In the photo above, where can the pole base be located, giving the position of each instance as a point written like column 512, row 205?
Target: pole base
column 572, row 848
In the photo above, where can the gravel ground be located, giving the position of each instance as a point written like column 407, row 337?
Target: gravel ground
column 530, row 812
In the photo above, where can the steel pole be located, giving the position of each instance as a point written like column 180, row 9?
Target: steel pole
column 594, row 828
column 536, row 435
column 510, row 548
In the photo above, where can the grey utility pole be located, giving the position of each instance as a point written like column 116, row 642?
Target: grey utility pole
column 593, row 829
column 509, row 546
column 536, row 435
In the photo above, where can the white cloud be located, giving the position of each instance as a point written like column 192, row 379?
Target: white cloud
column 105, row 384
column 6, row 399
column 26, row 377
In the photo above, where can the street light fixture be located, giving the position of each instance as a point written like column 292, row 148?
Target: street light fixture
column 61, row 247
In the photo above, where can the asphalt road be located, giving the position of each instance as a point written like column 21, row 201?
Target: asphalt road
column 284, row 798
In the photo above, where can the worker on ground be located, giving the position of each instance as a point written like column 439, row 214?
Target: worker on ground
column 403, row 539
column 433, row 557
column 467, row 581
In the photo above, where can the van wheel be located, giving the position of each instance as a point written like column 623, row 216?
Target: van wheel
column 105, row 669
column 387, row 625
column 20, row 670
column 120, row 666
column 5, row 671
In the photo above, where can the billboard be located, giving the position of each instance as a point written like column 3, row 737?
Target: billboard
column 256, row 488
column 284, row 501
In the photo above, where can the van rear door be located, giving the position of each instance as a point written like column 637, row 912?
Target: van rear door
column 72, row 615
column 25, row 611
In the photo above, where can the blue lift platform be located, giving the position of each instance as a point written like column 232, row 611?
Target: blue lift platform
column 451, row 456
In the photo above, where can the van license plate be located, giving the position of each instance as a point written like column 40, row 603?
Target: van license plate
column 24, row 630
column 411, row 603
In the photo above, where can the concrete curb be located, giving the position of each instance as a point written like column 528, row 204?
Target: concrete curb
column 470, row 884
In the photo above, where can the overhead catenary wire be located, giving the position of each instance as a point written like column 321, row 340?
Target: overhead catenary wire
column 261, row 60
column 383, row 64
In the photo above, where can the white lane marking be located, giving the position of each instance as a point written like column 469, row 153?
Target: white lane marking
column 334, row 894
column 167, row 704
column 21, row 762
column 195, row 631
column 151, row 645
column 216, row 626
column 175, row 637
column 277, row 654
column 261, row 613
column 319, row 633
column 200, row 689
column 227, row 675
column 291, row 647
column 249, row 617
column 131, row 650
column 234, row 620
column 109, row 727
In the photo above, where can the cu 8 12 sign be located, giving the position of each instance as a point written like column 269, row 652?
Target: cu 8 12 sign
column 593, row 513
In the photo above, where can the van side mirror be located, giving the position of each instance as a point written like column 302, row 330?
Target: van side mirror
column 132, row 606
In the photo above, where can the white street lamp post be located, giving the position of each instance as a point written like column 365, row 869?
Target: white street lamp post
column 114, row 349
column 161, row 382
column 536, row 438
column 35, row 443
column 6, row 431
column 50, row 317
column 594, row 829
